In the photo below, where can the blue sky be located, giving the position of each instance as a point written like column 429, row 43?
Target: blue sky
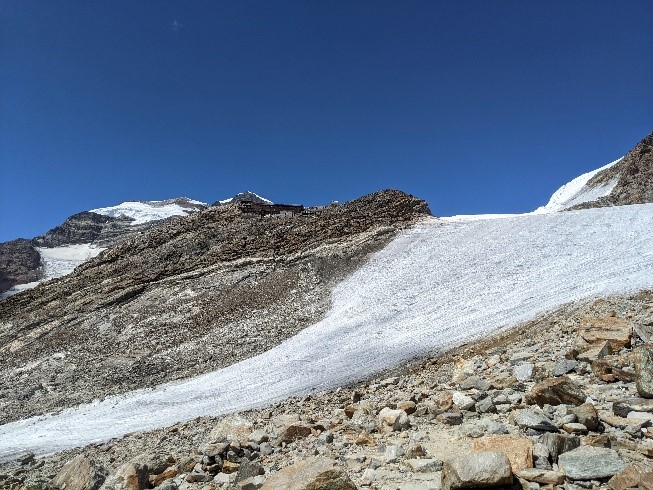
column 475, row 106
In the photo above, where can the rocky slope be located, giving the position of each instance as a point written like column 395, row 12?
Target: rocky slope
column 630, row 179
column 564, row 401
column 190, row 296
column 21, row 261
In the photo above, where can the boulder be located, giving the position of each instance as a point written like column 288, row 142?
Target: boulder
column 476, row 470
column 392, row 420
column 534, row 419
column 590, row 463
column 317, row 473
column 587, row 415
column 80, row 473
column 616, row 331
column 129, row 476
column 424, row 465
column 644, row 370
column 625, row 405
column 298, row 430
column 545, row 477
column 557, row 391
column 462, row 401
column 231, row 428
column 524, row 371
column 629, row 477
column 558, row 444
column 519, row 450
column 564, row 366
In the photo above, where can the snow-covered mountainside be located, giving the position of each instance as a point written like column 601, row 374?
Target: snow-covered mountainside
column 437, row 285
column 245, row 196
column 578, row 191
column 145, row 211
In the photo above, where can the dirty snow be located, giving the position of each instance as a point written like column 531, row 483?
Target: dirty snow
column 146, row 211
column 435, row 286
column 577, row 192
column 60, row 261
column 18, row 288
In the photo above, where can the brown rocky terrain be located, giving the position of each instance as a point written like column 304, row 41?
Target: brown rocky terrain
column 564, row 401
column 190, row 296
column 20, row 263
column 634, row 175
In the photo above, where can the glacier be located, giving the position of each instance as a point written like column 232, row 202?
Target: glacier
column 437, row 285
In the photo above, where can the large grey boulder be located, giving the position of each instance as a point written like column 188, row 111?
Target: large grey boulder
column 476, row 470
column 590, row 463
column 644, row 370
column 80, row 473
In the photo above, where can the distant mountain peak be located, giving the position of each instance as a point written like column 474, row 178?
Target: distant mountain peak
column 145, row 211
column 244, row 196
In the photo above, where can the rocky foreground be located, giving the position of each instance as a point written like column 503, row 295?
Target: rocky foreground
column 565, row 401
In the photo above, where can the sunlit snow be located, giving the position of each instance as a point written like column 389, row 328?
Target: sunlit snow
column 60, row 261
column 144, row 212
column 265, row 201
column 577, row 192
column 435, row 286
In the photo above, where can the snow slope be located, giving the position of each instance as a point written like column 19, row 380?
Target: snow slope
column 145, row 211
column 577, row 192
column 266, row 201
column 59, row 261
column 435, row 286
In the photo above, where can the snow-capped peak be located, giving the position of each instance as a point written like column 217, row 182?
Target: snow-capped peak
column 146, row 211
column 577, row 192
column 247, row 195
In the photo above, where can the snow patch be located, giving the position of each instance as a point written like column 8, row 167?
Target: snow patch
column 19, row 288
column 146, row 211
column 435, row 286
column 577, row 192
column 60, row 261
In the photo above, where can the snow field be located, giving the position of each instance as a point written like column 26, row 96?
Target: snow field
column 437, row 285
column 144, row 212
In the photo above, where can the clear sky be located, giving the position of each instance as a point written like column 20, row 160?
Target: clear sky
column 476, row 106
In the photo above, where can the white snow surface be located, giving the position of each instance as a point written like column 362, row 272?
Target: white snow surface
column 577, row 192
column 18, row 288
column 436, row 285
column 60, row 261
column 146, row 211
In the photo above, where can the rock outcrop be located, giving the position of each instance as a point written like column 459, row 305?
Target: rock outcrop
column 20, row 263
column 633, row 175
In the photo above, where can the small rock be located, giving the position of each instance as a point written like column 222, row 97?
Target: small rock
column 486, row 405
column 392, row 420
column 587, row 415
column 590, row 463
column 424, row 465
column 644, row 370
column 545, row 477
column 407, row 406
column 524, row 371
column 629, row 477
column 451, row 418
column 258, row 436
column 558, row 444
column 557, row 391
column 463, row 401
column 532, row 419
column 297, row 430
column 486, row 469
column 393, row 453
column 519, row 450
column 541, row 457
column 564, row 366
column 574, row 428
column 625, row 405
column 315, row 473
